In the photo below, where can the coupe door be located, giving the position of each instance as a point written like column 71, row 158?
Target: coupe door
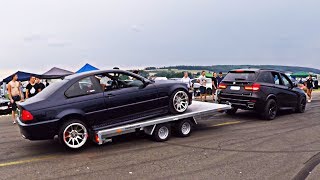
column 130, row 100
column 86, row 96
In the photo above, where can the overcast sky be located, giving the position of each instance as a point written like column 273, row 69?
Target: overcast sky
column 36, row 35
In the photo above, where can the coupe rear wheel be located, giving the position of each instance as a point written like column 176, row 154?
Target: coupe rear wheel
column 270, row 110
column 179, row 102
column 73, row 134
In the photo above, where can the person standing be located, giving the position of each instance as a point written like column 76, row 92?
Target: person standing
column 15, row 95
column 309, row 84
column 41, row 86
column 185, row 79
column 203, row 86
column 219, row 78
column 32, row 88
column 47, row 83
column 214, row 83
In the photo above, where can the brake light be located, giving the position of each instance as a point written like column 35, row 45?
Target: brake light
column 253, row 87
column 26, row 115
column 222, row 86
column 239, row 71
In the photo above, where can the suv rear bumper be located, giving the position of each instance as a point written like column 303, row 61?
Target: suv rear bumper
column 241, row 101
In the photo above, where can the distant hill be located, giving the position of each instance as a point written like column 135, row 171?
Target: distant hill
column 226, row 68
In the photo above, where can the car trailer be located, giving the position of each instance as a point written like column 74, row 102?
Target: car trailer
column 160, row 127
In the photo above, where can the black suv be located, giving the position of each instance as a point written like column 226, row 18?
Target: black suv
column 265, row 91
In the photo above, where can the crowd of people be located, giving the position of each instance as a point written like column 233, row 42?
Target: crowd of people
column 202, row 80
column 16, row 94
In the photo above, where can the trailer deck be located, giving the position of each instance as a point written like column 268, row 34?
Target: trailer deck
column 197, row 109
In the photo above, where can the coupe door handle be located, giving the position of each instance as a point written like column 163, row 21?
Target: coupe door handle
column 110, row 95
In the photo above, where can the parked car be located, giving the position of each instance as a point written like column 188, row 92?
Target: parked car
column 81, row 104
column 265, row 91
column 196, row 85
column 4, row 105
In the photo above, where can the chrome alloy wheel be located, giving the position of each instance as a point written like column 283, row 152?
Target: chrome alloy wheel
column 75, row 135
column 180, row 101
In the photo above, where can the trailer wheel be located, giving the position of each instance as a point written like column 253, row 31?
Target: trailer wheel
column 184, row 128
column 162, row 132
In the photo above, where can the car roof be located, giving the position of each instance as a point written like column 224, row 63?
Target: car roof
column 91, row 73
column 256, row 70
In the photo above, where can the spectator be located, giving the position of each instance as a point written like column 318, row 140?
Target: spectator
column 15, row 95
column 214, row 83
column 187, row 80
column 47, row 83
column 203, row 86
column 32, row 88
column 309, row 84
column 219, row 78
column 41, row 86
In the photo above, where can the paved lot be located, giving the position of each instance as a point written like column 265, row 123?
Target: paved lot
column 222, row 147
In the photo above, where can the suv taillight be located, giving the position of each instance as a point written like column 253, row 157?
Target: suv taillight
column 26, row 115
column 253, row 87
column 222, row 86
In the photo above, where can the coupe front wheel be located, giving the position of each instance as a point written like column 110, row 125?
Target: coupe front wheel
column 179, row 102
column 73, row 134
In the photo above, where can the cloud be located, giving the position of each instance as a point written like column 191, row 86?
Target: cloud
column 49, row 40
column 137, row 28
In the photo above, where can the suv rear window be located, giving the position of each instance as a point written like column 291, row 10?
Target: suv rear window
column 240, row 76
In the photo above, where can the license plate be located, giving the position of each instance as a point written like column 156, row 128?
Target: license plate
column 235, row 88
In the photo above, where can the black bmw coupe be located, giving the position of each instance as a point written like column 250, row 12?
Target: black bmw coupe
column 87, row 102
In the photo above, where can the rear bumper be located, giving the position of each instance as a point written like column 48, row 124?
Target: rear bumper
column 241, row 102
column 38, row 131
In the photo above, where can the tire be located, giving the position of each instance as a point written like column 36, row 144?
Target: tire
column 73, row 134
column 162, row 132
column 270, row 110
column 179, row 102
column 301, row 106
column 232, row 111
column 183, row 128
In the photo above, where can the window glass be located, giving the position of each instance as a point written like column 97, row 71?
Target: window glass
column 265, row 77
column 111, row 81
column 285, row 80
column 276, row 78
column 83, row 87
column 240, row 76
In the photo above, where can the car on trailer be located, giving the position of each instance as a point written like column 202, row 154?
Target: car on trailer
column 84, row 103
column 262, row 90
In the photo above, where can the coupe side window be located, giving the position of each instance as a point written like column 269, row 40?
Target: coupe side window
column 83, row 87
column 112, row 81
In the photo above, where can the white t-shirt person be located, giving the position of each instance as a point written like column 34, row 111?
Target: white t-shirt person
column 202, row 81
column 187, row 81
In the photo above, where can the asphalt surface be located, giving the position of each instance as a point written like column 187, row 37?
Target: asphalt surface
column 221, row 147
